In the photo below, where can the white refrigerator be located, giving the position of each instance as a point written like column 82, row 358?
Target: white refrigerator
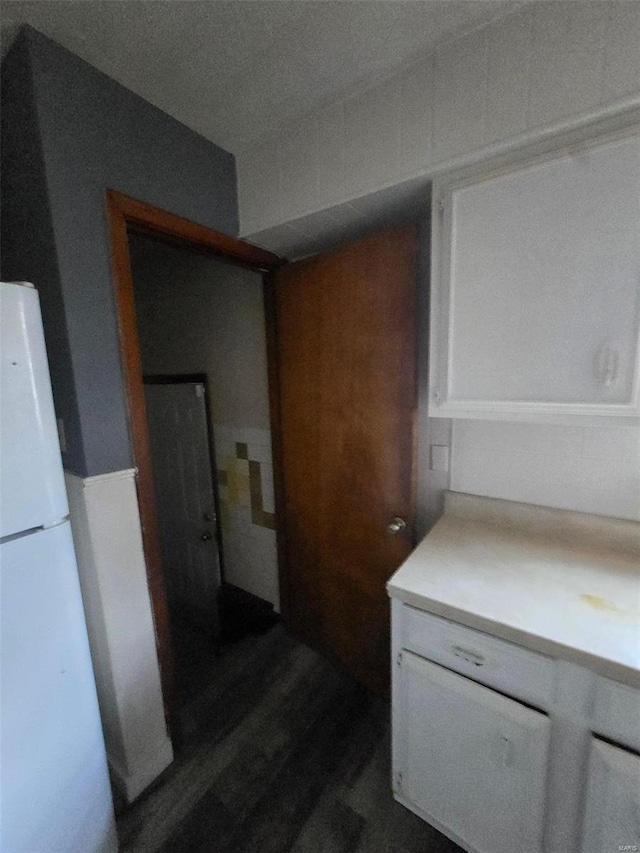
column 54, row 786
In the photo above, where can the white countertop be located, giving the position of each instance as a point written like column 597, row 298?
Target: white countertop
column 565, row 584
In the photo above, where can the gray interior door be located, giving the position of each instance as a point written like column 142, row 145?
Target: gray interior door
column 185, row 504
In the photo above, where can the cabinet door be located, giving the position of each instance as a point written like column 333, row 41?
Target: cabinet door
column 535, row 296
column 471, row 759
column 612, row 818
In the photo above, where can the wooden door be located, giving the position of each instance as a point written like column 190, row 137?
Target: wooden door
column 182, row 478
column 346, row 353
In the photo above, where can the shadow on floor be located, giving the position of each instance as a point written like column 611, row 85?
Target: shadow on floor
column 196, row 650
column 281, row 752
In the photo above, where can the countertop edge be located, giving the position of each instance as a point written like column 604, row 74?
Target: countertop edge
column 601, row 666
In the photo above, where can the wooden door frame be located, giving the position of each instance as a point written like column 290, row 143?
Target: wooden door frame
column 124, row 215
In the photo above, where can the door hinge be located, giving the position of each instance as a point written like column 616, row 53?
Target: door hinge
column 399, row 659
column 399, row 780
column 441, row 206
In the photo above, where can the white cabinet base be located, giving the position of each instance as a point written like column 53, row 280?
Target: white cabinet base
column 475, row 759
column 612, row 817
column 496, row 775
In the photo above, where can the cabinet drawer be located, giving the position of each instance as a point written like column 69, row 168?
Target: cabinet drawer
column 507, row 667
column 616, row 712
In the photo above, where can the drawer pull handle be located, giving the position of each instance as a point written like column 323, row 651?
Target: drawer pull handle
column 469, row 656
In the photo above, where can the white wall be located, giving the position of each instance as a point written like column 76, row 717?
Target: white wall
column 587, row 469
column 543, row 70
column 535, row 72
column 198, row 315
column 249, row 540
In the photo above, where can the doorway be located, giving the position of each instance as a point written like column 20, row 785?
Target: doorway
column 128, row 217
column 341, row 342
column 202, row 338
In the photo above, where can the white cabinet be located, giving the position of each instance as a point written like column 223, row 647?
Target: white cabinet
column 535, row 287
column 612, row 817
column 616, row 712
column 510, row 669
column 503, row 748
column 474, row 761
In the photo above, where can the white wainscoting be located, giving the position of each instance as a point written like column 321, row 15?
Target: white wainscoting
column 105, row 520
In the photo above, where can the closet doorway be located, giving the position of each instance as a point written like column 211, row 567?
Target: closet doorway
column 202, row 338
column 167, row 271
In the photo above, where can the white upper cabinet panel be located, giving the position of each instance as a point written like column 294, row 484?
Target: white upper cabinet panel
column 536, row 287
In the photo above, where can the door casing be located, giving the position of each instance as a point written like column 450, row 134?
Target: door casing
column 124, row 215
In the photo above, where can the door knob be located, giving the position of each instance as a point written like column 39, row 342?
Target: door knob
column 205, row 537
column 396, row 525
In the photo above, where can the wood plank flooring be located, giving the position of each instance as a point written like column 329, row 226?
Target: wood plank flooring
column 280, row 754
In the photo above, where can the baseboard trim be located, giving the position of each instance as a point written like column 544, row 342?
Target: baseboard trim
column 131, row 785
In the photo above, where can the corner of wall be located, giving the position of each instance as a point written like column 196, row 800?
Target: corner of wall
column 28, row 243
column 106, row 530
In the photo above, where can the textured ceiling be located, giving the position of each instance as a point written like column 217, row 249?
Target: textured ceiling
column 236, row 70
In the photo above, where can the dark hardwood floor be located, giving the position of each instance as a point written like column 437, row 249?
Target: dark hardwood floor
column 280, row 752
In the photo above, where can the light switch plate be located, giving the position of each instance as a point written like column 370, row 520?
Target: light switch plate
column 439, row 457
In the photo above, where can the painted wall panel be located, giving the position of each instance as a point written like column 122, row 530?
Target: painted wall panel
column 568, row 60
column 95, row 135
column 460, row 80
column 622, row 57
column 416, row 117
column 593, row 470
column 331, row 157
column 372, row 137
column 28, row 245
column 531, row 72
column 509, row 46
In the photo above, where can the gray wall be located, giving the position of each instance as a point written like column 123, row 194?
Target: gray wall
column 28, row 246
column 94, row 135
column 199, row 315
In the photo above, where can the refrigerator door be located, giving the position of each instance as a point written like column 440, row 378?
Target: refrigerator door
column 55, row 786
column 31, row 479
